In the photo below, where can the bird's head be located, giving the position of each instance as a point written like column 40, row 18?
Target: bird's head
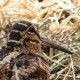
column 24, row 34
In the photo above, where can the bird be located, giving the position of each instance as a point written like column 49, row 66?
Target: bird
column 30, row 63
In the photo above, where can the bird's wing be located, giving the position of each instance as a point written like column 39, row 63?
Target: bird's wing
column 32, row 67
column 26, row 67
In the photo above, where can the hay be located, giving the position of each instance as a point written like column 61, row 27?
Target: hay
column 58, row 20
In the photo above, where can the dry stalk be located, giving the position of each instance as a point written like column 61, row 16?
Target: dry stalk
column 58, row 20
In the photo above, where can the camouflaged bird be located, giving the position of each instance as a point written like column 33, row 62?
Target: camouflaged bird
column 30, row 63
column 23, row 58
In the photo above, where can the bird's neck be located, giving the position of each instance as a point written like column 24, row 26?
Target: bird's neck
column 30, row 47
column 34, row 47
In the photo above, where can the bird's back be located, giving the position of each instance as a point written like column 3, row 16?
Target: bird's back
column 27, row 66
column 35, row 67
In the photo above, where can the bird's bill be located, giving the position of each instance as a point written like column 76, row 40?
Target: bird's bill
column 49, row 43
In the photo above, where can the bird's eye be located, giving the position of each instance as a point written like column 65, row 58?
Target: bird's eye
column 31, row 29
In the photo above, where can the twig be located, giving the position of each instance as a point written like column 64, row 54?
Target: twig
column 16, row 73
column 67, row 73
column 72, row 66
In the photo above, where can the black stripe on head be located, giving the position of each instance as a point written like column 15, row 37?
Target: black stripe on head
column 15, row 36
column 13, row 44
column 19, row 27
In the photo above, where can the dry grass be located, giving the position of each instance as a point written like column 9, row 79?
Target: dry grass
column 58, row 20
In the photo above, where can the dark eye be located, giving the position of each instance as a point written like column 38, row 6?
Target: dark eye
column 31, row 29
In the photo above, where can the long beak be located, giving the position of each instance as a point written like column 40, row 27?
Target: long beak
column 49, row 43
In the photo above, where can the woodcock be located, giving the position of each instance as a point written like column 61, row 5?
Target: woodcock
column 23, row 58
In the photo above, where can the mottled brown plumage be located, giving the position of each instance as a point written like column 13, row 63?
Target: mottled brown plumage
column 30, row 64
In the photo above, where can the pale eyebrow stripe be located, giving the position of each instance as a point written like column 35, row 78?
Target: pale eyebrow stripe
column 14, row 41
column 23, row 24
